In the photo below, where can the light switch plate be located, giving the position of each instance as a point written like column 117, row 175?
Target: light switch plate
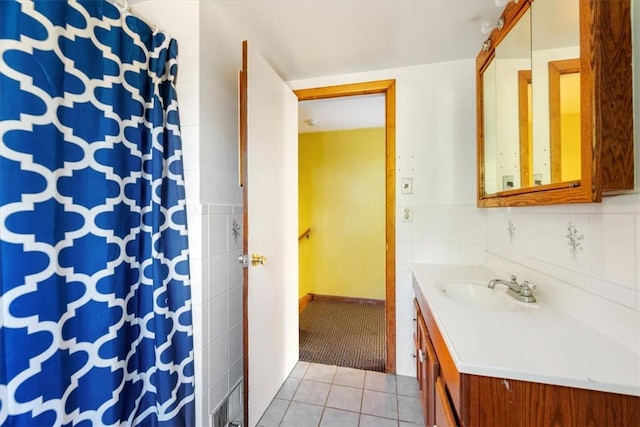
column 537, row 178
column 507, row 182
column 406, row 185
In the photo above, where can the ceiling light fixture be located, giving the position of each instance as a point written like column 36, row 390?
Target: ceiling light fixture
column 311, row 122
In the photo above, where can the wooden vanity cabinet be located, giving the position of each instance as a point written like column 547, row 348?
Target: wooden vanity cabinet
column 433, row 396
column 451, row 398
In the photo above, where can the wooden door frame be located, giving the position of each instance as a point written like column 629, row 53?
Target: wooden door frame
column 388, row 88
column 243, row 84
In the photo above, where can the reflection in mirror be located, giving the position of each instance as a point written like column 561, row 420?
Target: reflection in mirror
column 564, row 119
column 512, row 55
column 555, row 38
column 526, row 126
column 489, row 128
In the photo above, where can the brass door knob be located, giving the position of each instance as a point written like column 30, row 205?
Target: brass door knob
column 258, row 259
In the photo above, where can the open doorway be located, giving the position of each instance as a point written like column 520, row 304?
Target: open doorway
column 347, row 225
column 341, row 170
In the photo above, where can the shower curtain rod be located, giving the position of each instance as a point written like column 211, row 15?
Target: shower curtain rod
column 124, row 7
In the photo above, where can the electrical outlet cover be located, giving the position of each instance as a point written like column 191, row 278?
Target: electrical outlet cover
column 407, row 214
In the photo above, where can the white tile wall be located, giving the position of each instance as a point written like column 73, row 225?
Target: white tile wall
column 218, row 316
column 198, row 232
column 612, row 255
column 216, row 278
column 190, row 147
column 202, row 409
column 217, row 234
column 199, row 357
column 218, row 319
column 605, row 264
column 235, row 342
column 192, row 184
column 219, row 357
column 448, row 234
column 218, row 273
column 235, row 305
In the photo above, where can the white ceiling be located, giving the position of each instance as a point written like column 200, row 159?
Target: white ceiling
column 310, row 38
column 353, row 112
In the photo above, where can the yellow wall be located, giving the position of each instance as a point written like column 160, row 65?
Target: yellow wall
column 570, row 134
column 570, row 126
column 342, row 199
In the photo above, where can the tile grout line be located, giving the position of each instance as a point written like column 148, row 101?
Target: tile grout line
column 364, row 382
column 324, row 403
column 292, row 395
column 397, row 402
column 326, row 399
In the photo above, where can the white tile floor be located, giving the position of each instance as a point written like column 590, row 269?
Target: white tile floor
column 317, row 395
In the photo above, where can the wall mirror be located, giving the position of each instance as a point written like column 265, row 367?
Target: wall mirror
column 555, row 77
column 540, row 85
column 503, row 116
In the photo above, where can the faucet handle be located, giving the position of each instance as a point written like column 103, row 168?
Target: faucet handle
column 526, row 290
column 514, row 279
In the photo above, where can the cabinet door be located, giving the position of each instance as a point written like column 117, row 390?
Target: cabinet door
column 431, row 372
column 422, row 365
column 417, row 341
column 444, row 412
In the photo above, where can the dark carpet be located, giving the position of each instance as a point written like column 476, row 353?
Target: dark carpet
column 343, row 334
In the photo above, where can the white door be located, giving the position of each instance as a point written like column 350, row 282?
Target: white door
column 271, row 210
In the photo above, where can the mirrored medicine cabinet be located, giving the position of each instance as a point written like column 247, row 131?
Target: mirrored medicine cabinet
column 554, row 103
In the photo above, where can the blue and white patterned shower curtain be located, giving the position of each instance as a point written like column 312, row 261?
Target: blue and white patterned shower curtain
column 95, row 306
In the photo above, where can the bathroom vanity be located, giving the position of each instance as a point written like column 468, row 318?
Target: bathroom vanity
column 485, row 361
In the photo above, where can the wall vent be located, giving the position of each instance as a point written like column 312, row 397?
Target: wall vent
column 229, row 413
column 221, row 414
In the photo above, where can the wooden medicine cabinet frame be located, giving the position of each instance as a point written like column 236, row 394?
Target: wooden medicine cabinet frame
column 606, row 105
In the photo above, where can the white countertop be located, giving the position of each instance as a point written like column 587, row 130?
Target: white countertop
column 538, row 344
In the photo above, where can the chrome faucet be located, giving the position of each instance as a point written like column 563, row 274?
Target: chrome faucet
column 522, row 292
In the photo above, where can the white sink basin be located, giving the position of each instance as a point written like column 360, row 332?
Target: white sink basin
column 481, row 297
